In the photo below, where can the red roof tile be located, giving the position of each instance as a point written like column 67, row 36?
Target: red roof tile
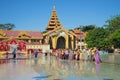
column 76, row 31
column 35, row 34
column 83, row 35
column 12, row 33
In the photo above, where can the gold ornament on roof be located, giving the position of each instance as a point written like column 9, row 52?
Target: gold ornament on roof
column 54, row 21
column 24, row 34
column 2, row 34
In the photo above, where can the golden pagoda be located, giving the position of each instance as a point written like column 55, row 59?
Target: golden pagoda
column 54, row 21
column 57, row 36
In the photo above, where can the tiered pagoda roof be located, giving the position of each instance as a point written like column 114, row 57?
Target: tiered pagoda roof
column 54, row 21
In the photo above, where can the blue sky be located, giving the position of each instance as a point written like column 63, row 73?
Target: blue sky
column 35, row 14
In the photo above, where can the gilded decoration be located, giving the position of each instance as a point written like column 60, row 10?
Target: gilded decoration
column 23, row 34
column 2, row 34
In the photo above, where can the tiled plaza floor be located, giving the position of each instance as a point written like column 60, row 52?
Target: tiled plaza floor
column 50, row 68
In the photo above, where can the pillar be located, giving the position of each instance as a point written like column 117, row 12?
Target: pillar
column 29, row 41
column 72, row 42
column 54, row 42
column 67, row 39
column 76, row 44
column 46, row 40
column 40, row 41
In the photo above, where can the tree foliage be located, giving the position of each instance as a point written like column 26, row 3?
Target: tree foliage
column 113, row 23
column 87, row 28
column 97, row 38
column 79, row 27
column 44, row 32
column 115, row 38
column 7, row 26
column 105, row 37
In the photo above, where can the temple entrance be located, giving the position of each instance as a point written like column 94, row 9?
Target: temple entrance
column 50, row 42
column 61, row 43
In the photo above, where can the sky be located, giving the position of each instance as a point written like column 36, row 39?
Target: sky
column 35, row 14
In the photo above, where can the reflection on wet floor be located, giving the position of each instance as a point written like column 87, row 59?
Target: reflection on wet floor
column 51, row 68
column 4, row 61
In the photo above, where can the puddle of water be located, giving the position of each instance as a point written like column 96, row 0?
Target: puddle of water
column 51, row 68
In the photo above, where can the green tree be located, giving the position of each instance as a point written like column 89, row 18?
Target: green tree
column 113, row 23
column 115, row 38
column 79, row 27
column 113, row 26
column 87, row 28
column 44, row 32
column 97, row 38
column 7, row 26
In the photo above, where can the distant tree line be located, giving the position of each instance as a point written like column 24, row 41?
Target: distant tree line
column 7, row 26
column 103, row 37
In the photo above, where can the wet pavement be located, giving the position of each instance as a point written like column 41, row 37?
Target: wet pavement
column 51, row 68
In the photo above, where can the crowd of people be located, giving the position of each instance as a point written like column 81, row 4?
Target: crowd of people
column 65, row 54
column 82, row 55
column 17, row 53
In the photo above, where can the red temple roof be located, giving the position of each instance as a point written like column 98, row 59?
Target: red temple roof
column 10, row 33
column 13, row 33
column 76, row 31
column 83, row 35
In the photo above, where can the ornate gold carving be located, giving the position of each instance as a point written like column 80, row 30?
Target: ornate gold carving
column 24, row 34
column 54, row 22
column 2, row 34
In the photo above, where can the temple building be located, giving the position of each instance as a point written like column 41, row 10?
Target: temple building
column 26, row 40
column 60, row 38
column 56, row 37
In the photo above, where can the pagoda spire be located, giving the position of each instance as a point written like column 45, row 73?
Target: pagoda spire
column 54, row 8
column 54, row 21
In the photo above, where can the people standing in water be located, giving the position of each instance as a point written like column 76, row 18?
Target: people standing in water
column 88, row 54
column 78, row 52
column 84, row 55
column 7, row 55
column 14, row 53
column 73, row 55
column 97, row 57
column 92, row 54
column 36, row 53
column 19, row 52
column 66, row 54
